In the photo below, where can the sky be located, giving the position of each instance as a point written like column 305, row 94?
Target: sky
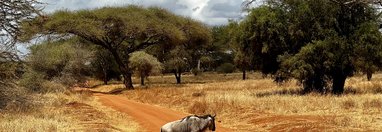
column 211, row 12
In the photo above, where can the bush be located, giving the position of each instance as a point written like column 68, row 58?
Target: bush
column 144, row 64
column 13, row 98
column 35, row 82
column 226, row 68
column 52, row 87
column 32, row 81
column 195, row 71
column 68, row 79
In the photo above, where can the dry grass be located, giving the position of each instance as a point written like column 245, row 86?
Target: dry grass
column 260, row 104
column 66, row 112
column 48, row 115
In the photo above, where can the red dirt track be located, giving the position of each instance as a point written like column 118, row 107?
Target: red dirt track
column 151, row 118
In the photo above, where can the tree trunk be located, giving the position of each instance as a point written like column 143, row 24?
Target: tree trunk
column 178, row 75
column 198, row 65
column 244, row 75
column 319, row 85
column 308, row 85
column 178, row 80
column 142, row 80
column 124, row 69
column 314, row 84
column 105, row 80
column 369, row 75
column 127, row 80
column 338, row 84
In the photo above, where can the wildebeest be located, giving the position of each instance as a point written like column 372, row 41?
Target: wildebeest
column 193, row 123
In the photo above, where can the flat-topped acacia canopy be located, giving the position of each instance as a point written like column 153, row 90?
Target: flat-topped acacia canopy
column 114, row 25
column 120, row 30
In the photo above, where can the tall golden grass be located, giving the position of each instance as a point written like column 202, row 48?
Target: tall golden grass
column 46, row 114
column 64, row 112
column 260, row 104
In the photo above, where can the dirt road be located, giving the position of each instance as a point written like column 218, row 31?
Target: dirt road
column 149, row 117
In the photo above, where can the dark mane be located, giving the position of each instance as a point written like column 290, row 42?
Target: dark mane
column 205, row 116
column 188, row 117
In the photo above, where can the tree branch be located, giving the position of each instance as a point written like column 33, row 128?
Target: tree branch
column 147, row 42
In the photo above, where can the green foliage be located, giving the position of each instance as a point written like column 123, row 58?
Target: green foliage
column 219, row 51
column 14, row 98
column 11, row 94
column 259, row 40
column 226, row 68
column 104, row 66
column 184, row 55
column 318, row 42
column 206, row 62
column 121, row 30
column 61, row 61
column 368, row 48
column 144, row 64
column 13, row 13
column 32, row 80
column 8, row 71
column 188, row 53
column 178, row 59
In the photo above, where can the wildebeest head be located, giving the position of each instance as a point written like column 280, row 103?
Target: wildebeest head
column 212, row 122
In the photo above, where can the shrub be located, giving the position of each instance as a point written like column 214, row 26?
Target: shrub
column 68, row 79
column 32, row 81
column 52, row 87
column 195, row 71
column 144, row 65
column 61, row 61
column 226, row 68
column 13, row 98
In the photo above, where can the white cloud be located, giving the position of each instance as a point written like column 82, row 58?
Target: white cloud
column 212, row 12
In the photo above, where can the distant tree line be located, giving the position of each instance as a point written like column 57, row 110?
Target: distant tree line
column 318, row 42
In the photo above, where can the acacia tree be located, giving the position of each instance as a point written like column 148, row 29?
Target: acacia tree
column 144, row 64
column 105, row 67
column 315, row 41
column 220, row 51
column 368, row 49
column 260, row 40
column 186, row 54
column 242, row 46
column 338, row 49
column 177, row 62
column 120, row 30
column 198, row 37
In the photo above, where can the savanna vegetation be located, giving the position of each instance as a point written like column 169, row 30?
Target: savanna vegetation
column 288, row 65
